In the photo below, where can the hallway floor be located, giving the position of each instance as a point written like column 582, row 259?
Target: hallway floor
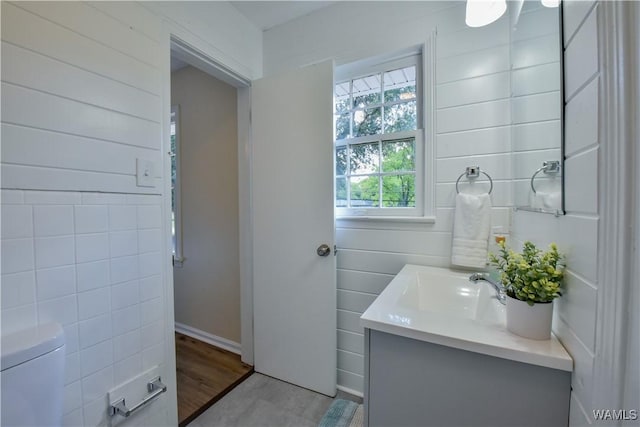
column 204, row 375
column 262, row 401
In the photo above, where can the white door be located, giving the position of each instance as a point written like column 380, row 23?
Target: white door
column 294, row 288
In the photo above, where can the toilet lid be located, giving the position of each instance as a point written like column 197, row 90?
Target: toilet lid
column 25, row 345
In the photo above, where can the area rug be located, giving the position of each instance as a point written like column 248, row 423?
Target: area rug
column 343, row 413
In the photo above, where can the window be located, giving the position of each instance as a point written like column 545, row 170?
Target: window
column 176, row 224
column 379, row 142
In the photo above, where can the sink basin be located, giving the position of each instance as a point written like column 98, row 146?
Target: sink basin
column 442, row 306
column 451, row 294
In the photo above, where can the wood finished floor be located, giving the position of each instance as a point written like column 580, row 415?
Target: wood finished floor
column 204, row 374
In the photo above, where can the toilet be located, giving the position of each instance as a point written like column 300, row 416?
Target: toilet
column 32, row 376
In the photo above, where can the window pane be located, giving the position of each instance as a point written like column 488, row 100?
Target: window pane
column 341, row 160
column 400, row 117
column 342, row 126
column 399, row 191
column 366, row 91
column 367, row 122
column 341, row 192
column 400, row 84
column 365, row 192
column 174, row 179
column 364, row 158
column 342, row 97
column 399, row 155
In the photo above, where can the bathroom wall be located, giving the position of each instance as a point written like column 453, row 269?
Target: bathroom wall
column 536, row 103
column 207, row 286
column 576, row 233
column 473, row 117
column 92, row 262
column 84, row 87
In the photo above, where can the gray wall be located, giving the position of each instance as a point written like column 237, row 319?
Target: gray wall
column 207, row 287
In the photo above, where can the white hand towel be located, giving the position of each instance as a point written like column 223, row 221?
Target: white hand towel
column 549, row 200
column 471, row 228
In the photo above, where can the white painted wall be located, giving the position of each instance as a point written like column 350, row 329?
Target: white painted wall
column 84, row 90
column 576, row 233
column 207, row 286
column 473, row 117
column 92, row 262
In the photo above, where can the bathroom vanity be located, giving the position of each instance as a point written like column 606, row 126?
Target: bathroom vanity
column 437, row 352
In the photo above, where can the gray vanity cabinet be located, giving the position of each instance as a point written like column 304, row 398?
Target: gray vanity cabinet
column 415, row 383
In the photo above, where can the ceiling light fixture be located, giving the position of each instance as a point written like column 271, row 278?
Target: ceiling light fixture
column 484, row 12
column 551, row 3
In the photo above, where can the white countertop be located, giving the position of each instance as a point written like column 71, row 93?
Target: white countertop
column 441, row 306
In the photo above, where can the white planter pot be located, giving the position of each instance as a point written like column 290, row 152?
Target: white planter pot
column 528, row 321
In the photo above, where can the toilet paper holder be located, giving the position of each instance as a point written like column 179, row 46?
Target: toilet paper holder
column 119, row 407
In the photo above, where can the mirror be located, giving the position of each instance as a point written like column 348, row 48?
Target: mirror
column 536, row 106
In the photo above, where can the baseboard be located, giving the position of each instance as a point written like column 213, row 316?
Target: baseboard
column 350, row 391
column 203, row 336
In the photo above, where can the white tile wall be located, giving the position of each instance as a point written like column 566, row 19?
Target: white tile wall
column 73, row 258
column 55, row 282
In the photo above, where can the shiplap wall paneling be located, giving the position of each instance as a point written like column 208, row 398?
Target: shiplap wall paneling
column 473, row 117
column 576, row 233
column 82, row 87
column 99, row 103
column 70, row 45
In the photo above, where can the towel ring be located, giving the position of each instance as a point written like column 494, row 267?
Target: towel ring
column 473, row 172
column 550, row 167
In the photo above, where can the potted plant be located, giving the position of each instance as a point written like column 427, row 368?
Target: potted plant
column 532, row 280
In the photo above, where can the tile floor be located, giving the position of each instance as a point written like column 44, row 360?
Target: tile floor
column 262, row 401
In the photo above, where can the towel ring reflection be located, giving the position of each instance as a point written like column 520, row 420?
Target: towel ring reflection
column 472, row 173
column 550, row 167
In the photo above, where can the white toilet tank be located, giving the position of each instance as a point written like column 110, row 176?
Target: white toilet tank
column 32, row 376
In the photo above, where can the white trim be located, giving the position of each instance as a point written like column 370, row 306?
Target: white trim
column 631, row 393
column 429, row 125
column 416, row 219
column 203, row 336
column 178, row 259
column 350, row 391
column 169, row 374
column 374, row 64
column 245, row 221
column 195, row 57
column 205, row 62
column 615, row 199
column 425, row 134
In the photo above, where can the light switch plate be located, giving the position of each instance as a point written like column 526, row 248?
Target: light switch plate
column 145, row 172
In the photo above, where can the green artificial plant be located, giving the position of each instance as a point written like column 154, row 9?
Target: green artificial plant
column 534, row 276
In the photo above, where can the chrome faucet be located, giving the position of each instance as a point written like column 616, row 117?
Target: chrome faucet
column 500, row 291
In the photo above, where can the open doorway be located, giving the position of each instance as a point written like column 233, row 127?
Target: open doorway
column 205, row 229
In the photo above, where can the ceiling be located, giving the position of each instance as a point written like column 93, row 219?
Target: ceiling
column 268, row 14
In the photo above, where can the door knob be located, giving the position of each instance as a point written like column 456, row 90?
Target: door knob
column 323, row 250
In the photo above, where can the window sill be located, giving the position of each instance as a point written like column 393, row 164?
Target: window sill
column 397, row 219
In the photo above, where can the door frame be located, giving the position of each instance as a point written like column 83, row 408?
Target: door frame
column 179, row 44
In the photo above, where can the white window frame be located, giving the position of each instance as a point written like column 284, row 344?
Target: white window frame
column 178, row 257
column 424, row 139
